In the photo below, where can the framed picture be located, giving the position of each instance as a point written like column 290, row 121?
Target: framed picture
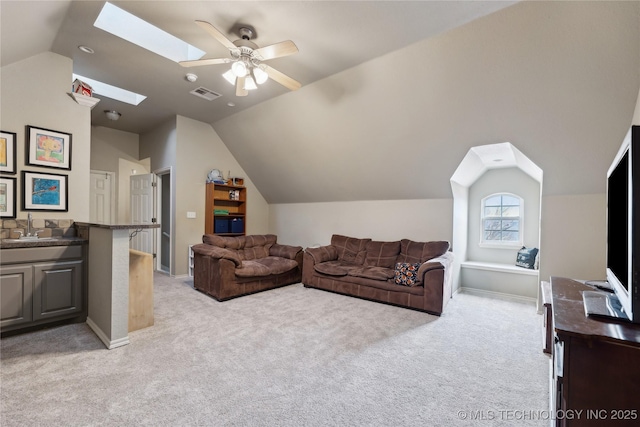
column 7, row 152
column 7, row 197
column 44, row 192
column 48, row 148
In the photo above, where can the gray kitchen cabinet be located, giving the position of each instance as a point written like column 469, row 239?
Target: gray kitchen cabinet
column 42, row 285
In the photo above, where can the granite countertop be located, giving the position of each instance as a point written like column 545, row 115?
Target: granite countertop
column 117, row 226
column 39, row 243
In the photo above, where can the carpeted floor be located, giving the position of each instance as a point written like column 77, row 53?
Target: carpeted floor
column 287, row 357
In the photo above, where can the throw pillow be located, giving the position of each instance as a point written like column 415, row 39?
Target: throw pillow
column 527, row 258
column 406, row 273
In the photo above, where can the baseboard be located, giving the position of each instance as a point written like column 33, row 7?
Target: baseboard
column 110, row 344
column 497, row 295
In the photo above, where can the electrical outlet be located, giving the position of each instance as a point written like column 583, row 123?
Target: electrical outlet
column 191, row 214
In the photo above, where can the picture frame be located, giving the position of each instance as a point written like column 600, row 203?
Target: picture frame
column 48, row 148
column 7, row 152
column 7, row 197
column 44, row 192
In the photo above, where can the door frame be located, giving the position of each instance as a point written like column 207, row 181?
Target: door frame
column 112, row 198
column 161, row 176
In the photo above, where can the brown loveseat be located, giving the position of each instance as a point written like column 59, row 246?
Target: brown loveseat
column 228, row 267
column 405, row 273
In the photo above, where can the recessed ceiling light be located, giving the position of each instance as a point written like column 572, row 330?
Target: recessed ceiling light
column 123, row 24
column 86, row 49
column 497, row 160
column 231, row 104
column 191, row 77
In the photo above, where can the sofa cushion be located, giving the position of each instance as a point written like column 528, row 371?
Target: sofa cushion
column 323, row 253
column 251, row 268
column 224, row 241
column 277, row 265
column 406, row 273
column 333, row 268
column 350, row 249
column 284, row 251
column 374, row 273
column 258, row 246
column 411, row 251
column 382, row 254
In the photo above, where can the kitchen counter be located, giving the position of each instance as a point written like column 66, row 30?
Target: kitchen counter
column 39, row 243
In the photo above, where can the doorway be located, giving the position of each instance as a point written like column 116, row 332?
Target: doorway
column 163, row 208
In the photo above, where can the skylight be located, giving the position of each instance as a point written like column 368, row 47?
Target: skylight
column 112, row 92
column 120, row 23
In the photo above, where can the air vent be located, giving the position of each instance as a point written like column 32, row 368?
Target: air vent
column 205, row 93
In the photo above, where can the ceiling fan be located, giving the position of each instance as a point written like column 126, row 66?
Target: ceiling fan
column 247, row 60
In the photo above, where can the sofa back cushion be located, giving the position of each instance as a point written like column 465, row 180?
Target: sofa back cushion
column 382, row 254
column 350, row 249
column 247, row 247
column 224, row 241
column 413, row 252
column 257, row 246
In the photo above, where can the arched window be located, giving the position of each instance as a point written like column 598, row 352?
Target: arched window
column 502, row 216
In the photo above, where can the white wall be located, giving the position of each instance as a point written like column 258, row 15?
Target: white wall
column 35, row 92
column 309, row 224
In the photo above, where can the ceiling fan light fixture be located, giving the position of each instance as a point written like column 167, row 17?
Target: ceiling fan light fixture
column 259, row 75
column 249, row 84
column 230, row 77
column 239, row 69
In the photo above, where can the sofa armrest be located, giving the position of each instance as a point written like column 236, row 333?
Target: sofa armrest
column 323, row 253
column 284, row 251
column 217, row 253
column 436, row 274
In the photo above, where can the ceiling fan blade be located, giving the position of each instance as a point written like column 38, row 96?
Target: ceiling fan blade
column 277, row 50
column 217, row 34
column 240, row 90
column 282, row 78
column 200, row 62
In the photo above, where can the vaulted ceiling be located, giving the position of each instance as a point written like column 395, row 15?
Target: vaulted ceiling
column 393, row 93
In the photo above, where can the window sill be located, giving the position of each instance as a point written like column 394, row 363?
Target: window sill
column 503, row 268
column 510, row 246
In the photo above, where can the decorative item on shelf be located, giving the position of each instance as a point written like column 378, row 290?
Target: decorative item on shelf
column 81, row 87
column 238, row 181
column 234, row 194
column 215, row 176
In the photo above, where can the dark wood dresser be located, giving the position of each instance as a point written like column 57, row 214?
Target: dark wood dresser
column 596, row 363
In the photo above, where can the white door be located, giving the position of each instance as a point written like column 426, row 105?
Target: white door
column 100, row 196
column 142, row 211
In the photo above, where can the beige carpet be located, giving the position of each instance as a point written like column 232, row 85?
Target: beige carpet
column 287, row 357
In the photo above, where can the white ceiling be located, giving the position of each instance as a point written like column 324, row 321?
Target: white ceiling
column 331, row 36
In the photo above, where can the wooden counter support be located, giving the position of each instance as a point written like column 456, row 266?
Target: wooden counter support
column 140, row 290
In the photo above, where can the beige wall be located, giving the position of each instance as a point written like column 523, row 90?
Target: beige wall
column 200, row 149
column 309, row 224
column 35, row 92
column 573, row 241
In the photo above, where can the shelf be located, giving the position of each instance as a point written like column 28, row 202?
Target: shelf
column 87, row 101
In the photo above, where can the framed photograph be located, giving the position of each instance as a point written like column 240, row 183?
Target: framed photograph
column 7, row 197
column 7, row 152
column 48, row 148
column 44, row 192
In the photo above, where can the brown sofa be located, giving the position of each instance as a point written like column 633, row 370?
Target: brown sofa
column 405, row 273
column 228, row 267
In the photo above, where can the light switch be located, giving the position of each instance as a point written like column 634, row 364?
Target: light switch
column 191, row 214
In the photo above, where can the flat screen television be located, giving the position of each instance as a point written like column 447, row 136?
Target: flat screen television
column 623, row 225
